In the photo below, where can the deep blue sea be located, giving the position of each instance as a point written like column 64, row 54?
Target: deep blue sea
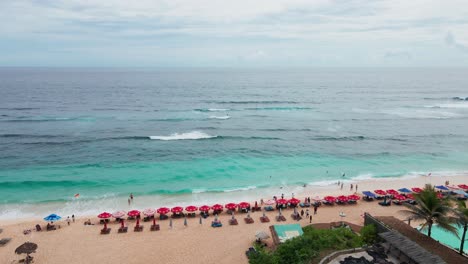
column 168, row 133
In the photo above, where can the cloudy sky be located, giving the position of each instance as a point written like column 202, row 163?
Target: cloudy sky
column 240, row 33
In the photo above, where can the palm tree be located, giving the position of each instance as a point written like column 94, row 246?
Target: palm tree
column 461, row 215
column 431, row 210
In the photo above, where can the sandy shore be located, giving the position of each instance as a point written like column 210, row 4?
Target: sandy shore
column 195, row 243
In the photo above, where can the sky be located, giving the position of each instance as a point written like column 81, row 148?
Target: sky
column 240, row 33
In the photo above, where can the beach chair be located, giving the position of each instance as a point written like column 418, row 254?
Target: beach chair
column 138, row 228
column 304, row 205
column 269, row 208
column 249, row 220
column 296, row 217
column 233, row 221
column 4, row 241
column 388, row 203
column 264, row 219
column 105, row 231
column 123, row 229
column 154, row 227
column 216, row 224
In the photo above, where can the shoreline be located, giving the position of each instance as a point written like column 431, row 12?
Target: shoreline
column 92, row 207
column 78, row 243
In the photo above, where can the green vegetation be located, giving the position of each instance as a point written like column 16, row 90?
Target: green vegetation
column 431, row 210
column 307, row 247
column 369, row 234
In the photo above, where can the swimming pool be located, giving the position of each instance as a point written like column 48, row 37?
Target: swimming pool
column 447, row 238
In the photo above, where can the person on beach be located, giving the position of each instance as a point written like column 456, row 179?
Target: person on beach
column 310, row 219
column 315, row 209
column 356, row 187
column 341, row 186
column 308, row 199
column 282, row 196
column 131, row 197
column 261, row 201
column 307, row 212
column 351, row 187
column 68, row 220
column 73, row 218
column 302, row 212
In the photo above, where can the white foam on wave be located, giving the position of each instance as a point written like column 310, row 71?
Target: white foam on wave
column 218, row 109
column 220, row 117
column 241, row 189
column 193, row 135
column 454, row 105
column 421, row 113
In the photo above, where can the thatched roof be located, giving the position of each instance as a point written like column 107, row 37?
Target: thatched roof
column 410, row 248
column 429, row 244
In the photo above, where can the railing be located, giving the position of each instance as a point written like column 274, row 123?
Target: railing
column 335, row 254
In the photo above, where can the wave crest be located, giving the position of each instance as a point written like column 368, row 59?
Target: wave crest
column 193, row 135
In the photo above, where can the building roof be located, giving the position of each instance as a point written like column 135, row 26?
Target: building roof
column 429, row 244
column 410, row 248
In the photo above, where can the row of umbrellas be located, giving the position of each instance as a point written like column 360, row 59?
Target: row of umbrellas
column 342, row 198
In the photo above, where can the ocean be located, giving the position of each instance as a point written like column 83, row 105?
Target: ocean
column 188, row 135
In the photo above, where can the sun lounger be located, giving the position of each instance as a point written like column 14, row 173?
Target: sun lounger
column 123, row 229
column 154, row 228
column 4, row 241
column 269, row 208
column 50, row 228
column 296, row 217
column 280, row 218
column 233, row 222
column 163, row 217
column 138, row 228
column 264, row 219
column 388, row 203
column 105, row 231
column 249, row 220
column 258, row 208
column 216, row 224
column 304, row 205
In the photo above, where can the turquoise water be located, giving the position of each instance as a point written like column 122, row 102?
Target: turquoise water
column 176, row 133
column 448, row 238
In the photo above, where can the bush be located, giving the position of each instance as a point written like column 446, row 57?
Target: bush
column 369, row 234
column 305, row 248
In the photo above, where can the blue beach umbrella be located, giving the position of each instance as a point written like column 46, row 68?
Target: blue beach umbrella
column 405, row 190
column 52, row 217
column 441, row 187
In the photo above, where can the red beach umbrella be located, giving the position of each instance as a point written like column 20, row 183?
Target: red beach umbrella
column 244, row 205
column 342, row 198
column 163, row 210
column 281, row 201
column 353, row 197
column 177, row 209
column 204, row 208
column 329, row 199
column 104, row 215
column 416, row 190
column 410, row 196
column 399, row 197
column 191, row 208
column 463, row 186
column 230, row 206
column 294, row 201
column 380, row 192
column 217, row 207
column 133, row 213
column 392, row 192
